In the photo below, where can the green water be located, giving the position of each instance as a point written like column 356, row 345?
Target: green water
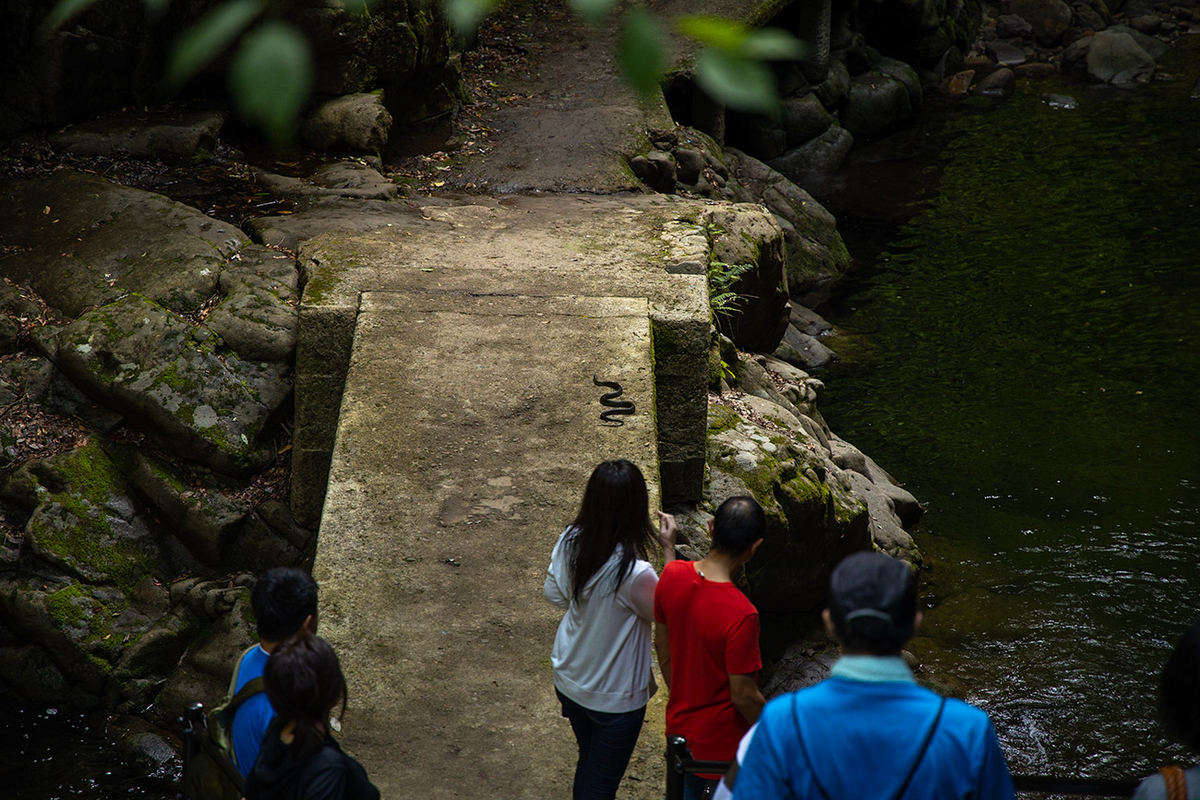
column 1025, row 360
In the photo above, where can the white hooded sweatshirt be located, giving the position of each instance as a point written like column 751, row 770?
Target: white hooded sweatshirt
column 601, row 654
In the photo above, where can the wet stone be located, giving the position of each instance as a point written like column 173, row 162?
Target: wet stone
column 1003, row 53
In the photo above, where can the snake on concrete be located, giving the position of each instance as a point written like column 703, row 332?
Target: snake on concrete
column 613, row 406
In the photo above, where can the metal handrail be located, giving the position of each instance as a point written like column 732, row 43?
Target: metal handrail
column 680, row 763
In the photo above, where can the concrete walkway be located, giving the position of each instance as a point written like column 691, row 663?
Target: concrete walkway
column 463, row 425
column 444, row 388
column 468, row 429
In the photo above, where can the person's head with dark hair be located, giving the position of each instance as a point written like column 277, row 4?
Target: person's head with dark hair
column 739, row 522
column 304, row 681
column 1179, row 693
column 284, row 600
column 872, row 604
column 614, row 514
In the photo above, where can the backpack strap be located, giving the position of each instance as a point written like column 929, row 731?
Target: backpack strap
column 937, row 718
column 924, row 746
column 1175, row 781
column 237, row 668
column 253, row 686
column 804, row 752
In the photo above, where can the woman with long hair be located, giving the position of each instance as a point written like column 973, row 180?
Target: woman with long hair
column 299, row 759
column 599, row 572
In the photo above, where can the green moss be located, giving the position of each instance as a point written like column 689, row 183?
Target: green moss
column 325, row 279
column 74, row 524
column 171, row 377
column 70, row 609
column 88, row 622
column 187, row 413
column 167, row 475
column 804, row 490
column 721, row 418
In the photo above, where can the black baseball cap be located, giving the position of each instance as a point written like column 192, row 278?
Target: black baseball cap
column 872, row 598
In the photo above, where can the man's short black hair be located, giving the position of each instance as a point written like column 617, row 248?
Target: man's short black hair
column 873, row 603
column 738, row 523
column 282, row 598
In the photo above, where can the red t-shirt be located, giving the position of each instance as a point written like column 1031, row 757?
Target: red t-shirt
column 713, row 630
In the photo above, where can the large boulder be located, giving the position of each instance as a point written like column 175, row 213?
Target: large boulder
column 816, row 254
column 825, row 153
column 906, row 75
column 813, row 517
column 81, row 241
column 175, row 378
column 877, row 103
column 358, row 122
column 1110, row 56
column 1117, row 58
column 745, row 235
column 1049, row 19
column 804, row 118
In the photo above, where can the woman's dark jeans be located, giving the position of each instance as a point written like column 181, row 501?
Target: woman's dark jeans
column 606, row 742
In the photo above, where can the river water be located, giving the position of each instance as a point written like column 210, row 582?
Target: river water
column 1023, row 355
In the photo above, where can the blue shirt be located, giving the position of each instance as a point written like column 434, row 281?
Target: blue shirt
column 252, row 717
column 857, row 735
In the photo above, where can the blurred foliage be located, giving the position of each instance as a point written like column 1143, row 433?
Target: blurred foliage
column 271, row 67
column 730, row 65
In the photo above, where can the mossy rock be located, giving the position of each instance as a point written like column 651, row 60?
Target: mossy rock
column 813, row 518
column 85, row 522
column 174, row 377
column 88, row 241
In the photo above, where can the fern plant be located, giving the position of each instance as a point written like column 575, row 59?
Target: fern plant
column 721, row 295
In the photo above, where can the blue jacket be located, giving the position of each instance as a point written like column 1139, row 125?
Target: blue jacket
column 252, row 718
column 858, row 734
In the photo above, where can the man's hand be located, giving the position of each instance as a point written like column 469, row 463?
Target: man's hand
column 667, row 530
column 747, row 699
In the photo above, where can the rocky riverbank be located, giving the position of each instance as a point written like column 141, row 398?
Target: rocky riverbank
column 147, row 349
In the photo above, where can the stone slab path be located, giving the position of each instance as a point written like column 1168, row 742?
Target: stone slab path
column 468, row 427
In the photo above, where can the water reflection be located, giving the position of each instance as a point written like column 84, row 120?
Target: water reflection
column 47, row 752
column 1031, row 376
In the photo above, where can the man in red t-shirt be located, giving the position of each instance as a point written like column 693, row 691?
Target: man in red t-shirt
column 706, row 638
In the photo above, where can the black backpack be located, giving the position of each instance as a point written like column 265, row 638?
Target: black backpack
column 209, row 766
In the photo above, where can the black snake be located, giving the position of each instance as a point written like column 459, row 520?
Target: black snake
column 614, row 407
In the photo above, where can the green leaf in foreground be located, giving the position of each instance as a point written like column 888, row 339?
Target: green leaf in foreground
column 63, row 11
column 356, row 6
column 465, row 15
column 640, row 52
column 737, row 82
column 156, row 8
column 594, row 11
column 772, row 44
column 208, row 38
column 716, row 32
column 270, row 78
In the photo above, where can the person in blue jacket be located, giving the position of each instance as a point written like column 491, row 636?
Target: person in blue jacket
column 284, row 601
column 869, row 730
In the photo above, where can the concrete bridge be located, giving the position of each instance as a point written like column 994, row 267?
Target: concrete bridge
column 444, row 386
column 446, row 419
